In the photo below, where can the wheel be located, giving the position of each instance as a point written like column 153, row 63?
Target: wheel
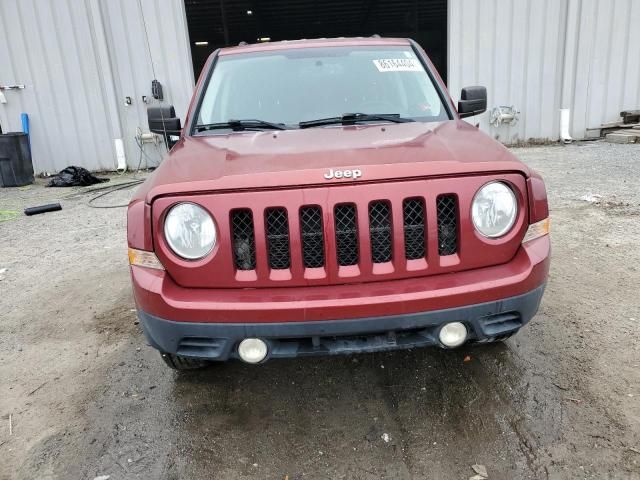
column 177, row 362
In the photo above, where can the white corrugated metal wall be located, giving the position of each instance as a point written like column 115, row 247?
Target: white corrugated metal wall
column 78, row 60
column 543, row 55
column 607, row 64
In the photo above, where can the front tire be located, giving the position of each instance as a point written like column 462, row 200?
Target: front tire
column 177, row 362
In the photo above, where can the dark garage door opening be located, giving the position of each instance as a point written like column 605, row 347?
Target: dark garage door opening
column 218, row 23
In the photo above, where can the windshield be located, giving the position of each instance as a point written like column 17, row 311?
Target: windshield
column 298, row 85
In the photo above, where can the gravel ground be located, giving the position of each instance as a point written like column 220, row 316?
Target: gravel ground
column 81, row 394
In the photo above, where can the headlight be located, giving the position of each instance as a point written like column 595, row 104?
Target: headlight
column 189, row 231
column 494, row 209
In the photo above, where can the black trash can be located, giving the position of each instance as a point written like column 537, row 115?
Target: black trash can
column 16, row 167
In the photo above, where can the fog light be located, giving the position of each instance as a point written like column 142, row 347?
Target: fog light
column 453, row 334
column 252, row 350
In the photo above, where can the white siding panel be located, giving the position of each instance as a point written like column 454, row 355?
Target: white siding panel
column 614, row 76
column 78, row 60
column 541, row 55
column 631, row 91
column 511, row 47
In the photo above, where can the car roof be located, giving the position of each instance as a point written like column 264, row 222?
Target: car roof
column 314, row 43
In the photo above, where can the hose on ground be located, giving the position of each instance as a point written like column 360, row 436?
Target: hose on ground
column 111, row 189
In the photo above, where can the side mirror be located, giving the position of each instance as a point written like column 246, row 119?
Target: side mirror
column 473, row 101
column 163, row 121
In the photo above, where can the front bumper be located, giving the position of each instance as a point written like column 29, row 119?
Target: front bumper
column 208, row 323
column 157, row 293
column 218, row 341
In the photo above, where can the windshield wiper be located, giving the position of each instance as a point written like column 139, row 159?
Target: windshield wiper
column 353, row 118
column 240, row 125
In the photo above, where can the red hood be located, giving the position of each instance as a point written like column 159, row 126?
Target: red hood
column 293, row 158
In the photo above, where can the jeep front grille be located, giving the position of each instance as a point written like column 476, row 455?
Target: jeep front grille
column 346, row 236
column 343, row 234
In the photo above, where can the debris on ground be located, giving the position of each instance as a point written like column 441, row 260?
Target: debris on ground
column 36, row 389
column 626, row 130
column 467, row 359
column 2, row 272
column 591, row 198
column 481, row 472
column 630, row 116
column 623, row 136
column 75, row 177
column 50, row 207
column 608, row 201
column 102, row 477
column 385, row 437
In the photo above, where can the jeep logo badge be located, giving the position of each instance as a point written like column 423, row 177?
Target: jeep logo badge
column 331, row 174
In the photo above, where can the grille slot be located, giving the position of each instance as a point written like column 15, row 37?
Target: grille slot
column 346, row 234
column 312, row 237
column 414, row 228
column 447, row 206
column 380, row 231
column 277, row 226
column 244, row 244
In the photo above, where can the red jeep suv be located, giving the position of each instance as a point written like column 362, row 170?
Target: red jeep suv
column 325, row 197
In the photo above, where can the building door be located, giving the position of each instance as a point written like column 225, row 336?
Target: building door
column 217, row 23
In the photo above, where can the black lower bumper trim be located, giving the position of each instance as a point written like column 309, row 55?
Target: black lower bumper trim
column 218, row 341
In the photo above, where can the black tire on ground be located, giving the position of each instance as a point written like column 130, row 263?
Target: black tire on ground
column 177, row 362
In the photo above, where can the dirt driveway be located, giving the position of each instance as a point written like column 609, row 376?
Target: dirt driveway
column 84, row 396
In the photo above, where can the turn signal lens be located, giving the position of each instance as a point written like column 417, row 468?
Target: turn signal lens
column 143, row 258
column 537, row 230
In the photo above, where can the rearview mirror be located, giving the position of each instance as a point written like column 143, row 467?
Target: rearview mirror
column 163, row 121
column 473, row 101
